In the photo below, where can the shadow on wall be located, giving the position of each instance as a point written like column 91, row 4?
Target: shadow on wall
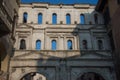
column 53, row 64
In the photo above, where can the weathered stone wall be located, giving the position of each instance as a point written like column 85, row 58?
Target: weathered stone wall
column 61, row 11
column 61, row 64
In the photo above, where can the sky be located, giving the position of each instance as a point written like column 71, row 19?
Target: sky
column 62, row 1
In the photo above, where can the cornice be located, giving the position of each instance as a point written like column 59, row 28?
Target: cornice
column 47, row 5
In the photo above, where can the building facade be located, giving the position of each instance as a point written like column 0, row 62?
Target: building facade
column 111, row 11
column 8, row 21
column 61, row 42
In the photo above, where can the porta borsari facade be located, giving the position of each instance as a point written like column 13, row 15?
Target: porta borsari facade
column 61, row 42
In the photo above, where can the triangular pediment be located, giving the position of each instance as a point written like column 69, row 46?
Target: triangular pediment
column 96, row 55
column 44, row 54
column 33, row 55
column 55, row 55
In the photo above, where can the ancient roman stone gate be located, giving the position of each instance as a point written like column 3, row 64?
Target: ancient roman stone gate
column 29, row 66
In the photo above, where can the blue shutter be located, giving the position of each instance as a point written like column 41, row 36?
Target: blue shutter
column 82, row 19
column 54, row 19
column 54, row 44
column 39, row 18
column 69, row 44
column 38, row 45
column 68, row 19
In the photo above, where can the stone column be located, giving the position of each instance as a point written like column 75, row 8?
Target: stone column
column 59, row 43
column 17, row 42
column 47, row 42
column 75, row 43
column 78, row 41
column 44, row 44
column 64, row 44
column 30, row 42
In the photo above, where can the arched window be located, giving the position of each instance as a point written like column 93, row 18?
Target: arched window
column 54, row 45
column 22, row 44
column 69, row 45
column 38, row 45
column 68, row 19
column 96, row 18
column 25, row 17
column 84, row 43
column 54, row 18
column 100, row 44
column 40, row 18
column 82, row 19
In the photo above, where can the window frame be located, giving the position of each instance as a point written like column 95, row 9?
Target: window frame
column 54, row 47
column 69, row 47
column 85, row 47
column 40, row 16
column 102, row 44
column 36, row 44
column 22, row 44
column 25, row 17
column 68, row 19
column 54, row 18
column 82, row 18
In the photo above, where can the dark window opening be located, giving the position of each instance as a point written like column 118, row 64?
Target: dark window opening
column 25, row 16
column 22, row 44
column 100, row 44
column 85, row 46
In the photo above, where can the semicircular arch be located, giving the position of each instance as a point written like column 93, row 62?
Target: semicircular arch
column 44, row 74
column 99, row 72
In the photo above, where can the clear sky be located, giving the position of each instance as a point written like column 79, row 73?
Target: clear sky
column 61, row 1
